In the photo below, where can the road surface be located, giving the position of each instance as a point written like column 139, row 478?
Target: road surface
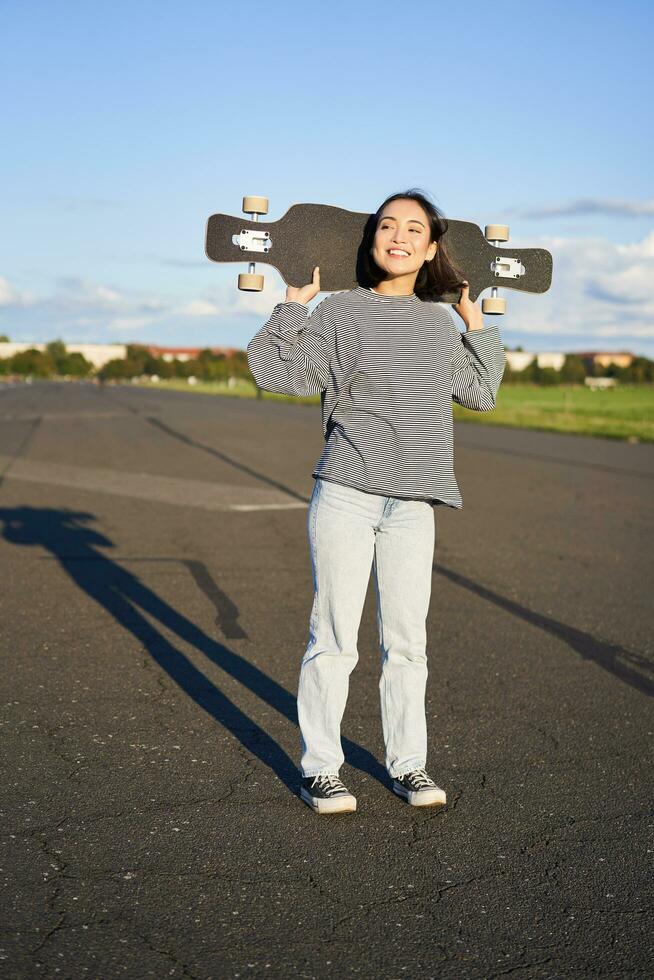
column 156, row 591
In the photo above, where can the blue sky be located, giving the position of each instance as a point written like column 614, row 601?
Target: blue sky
column 128, row 124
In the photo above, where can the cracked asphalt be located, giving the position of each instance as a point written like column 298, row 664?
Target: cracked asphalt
column 156, row 591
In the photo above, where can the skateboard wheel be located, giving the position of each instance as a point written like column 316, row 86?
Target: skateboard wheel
column 250, row 281
column 255, row 205
column 493, row 304
column 497, row 233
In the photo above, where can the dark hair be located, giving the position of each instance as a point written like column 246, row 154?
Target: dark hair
column 437, row 276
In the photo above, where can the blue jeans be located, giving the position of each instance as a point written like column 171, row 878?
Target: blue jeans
column 350, row 530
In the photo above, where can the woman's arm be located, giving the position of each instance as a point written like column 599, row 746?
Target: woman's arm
column 478, row 359
column 292, row 352
column 478, row 365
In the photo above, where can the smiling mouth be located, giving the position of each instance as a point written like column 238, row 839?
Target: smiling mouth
column 396, row 255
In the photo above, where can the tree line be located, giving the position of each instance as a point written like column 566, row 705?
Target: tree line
column 57, row 361
column 575, row 370
column 207, row 366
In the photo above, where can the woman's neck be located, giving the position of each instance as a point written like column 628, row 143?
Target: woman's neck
column 396, row 287
column 386, row 292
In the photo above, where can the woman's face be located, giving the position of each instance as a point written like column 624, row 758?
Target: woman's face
column 401, row 244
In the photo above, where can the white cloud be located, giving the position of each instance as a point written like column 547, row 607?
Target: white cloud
column 198, row 307
column 228, row 301
column 129, row 323
column 81, row 294
column 639, row 249
column 9, row 296
column 599, row 289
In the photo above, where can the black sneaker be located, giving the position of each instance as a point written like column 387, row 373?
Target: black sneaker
column 327, row 794
column 419, row 789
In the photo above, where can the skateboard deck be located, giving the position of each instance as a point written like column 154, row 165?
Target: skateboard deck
column 331, row 237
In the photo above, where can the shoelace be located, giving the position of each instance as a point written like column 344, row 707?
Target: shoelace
column 330, row 783
column 420, row 779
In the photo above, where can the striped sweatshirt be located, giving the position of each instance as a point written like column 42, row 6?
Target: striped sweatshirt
column 387, row 369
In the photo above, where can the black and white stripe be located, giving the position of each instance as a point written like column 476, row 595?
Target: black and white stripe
column 387, row 369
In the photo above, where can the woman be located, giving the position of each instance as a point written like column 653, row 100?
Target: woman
column 387, row 360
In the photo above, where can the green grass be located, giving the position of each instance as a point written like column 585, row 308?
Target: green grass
column 624, row 412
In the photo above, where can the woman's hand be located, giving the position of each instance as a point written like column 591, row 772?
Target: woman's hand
column 469, row 312
column 304, row 294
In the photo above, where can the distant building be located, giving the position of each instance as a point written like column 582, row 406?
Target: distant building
column 97, row 354
column 187, row 353
column 518, row 360
column 551, row 359
column 605, row 358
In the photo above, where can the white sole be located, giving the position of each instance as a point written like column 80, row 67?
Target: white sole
column 341, row 804
column 426, row 797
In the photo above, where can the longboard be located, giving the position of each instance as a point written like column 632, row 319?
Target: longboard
column 331, row 237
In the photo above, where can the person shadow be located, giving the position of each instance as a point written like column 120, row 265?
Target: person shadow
column 69, row 537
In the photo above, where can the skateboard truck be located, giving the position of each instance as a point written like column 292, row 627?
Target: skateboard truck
column 507, row 268
column 503, row 267
column 253, row 241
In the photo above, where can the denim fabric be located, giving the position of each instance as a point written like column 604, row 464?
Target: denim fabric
column 350, row 531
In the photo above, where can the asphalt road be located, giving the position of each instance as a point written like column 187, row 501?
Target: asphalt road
column 156, row 589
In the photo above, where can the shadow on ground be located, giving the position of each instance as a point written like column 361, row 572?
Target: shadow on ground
column 68, row 536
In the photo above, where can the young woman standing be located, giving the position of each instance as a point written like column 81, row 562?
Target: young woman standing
column 387, row 359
